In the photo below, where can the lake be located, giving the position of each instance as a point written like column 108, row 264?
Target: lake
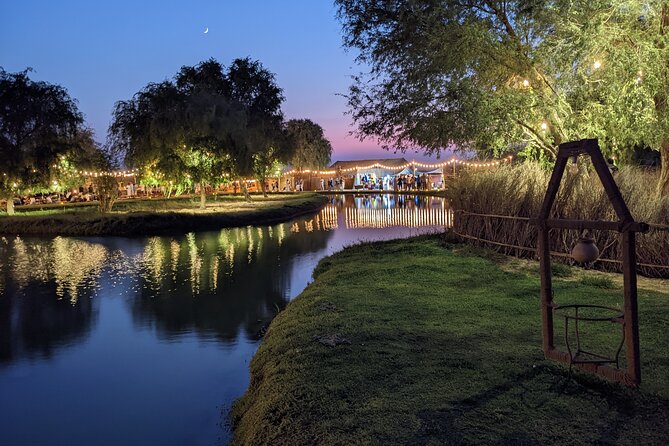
column 147, row 341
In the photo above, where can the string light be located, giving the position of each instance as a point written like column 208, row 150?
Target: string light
column 597, row 65
column 115, row 173
column 452, row 161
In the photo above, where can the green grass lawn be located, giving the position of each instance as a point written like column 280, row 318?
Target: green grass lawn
column 158, row 216
column 441, row 344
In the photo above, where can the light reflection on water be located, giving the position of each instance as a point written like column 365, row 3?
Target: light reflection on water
column 147, row 340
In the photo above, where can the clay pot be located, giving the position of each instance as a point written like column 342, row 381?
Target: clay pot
column 585, row 251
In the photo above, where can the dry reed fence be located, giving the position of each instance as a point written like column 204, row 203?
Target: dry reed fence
column 493, row 208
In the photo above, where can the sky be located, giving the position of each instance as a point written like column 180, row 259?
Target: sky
column 105, row 51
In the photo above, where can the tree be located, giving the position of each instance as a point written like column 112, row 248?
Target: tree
column 489, row 75
column 254, row 87
column 107, row 191
column 69, row 170
column 205, row 124
column 265, row 165
column 620, row 88
column 39, row 123
column 310, row 149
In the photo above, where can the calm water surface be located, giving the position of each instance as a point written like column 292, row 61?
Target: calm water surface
column 147, row 341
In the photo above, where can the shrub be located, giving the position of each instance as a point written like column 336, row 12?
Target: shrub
column 107, row 191
column 519, row 191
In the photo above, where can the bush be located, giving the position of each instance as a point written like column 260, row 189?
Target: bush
column 519, row 191
column 107, row 191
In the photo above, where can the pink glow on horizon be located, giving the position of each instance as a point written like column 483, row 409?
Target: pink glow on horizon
column 348, row 147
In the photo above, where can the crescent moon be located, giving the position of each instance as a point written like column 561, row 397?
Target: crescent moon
column 206, row 30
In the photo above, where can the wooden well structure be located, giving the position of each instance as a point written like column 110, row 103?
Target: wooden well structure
column 627, row 228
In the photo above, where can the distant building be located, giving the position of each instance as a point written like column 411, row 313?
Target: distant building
column 362, row 173
column 374, row 174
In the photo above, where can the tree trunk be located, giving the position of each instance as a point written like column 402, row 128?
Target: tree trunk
column 663, row 184
column 203, row 196
column 10, row 206
column 245, row 190
column 264, row 187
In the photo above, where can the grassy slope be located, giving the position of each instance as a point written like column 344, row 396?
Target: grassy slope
column 445, row 349
column 163, row 216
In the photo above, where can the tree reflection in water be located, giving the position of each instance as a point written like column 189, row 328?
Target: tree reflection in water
column 215, row 284
column 46, row 289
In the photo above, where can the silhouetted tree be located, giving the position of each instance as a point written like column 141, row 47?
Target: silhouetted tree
column 39, row 124
column 309, row 148
column 206, row 123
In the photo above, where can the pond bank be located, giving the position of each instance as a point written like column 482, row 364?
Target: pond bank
column 420, row 342
column 161, row 217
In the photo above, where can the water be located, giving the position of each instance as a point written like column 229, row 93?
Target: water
column 147, row 341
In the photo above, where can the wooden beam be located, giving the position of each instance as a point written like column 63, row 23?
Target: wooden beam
column 601, row 225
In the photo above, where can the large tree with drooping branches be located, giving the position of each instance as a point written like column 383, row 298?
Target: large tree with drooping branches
column 40, row 124
column 203, row 125
column 511, row 75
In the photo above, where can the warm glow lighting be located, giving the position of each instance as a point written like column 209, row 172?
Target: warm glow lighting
column 404, row 166
column 597, row 65
column 526, row 83
column 544, row 126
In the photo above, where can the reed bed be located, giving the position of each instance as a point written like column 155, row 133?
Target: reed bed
column 493, row 208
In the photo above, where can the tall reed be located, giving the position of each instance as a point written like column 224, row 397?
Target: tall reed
column 519, row 190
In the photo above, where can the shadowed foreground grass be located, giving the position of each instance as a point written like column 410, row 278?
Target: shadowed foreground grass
column 158, row 216
column 441, row 344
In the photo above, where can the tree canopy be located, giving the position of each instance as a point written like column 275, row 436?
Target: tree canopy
column 203, row 125
column 309, row 148
column 511, row 75
column 40, row 125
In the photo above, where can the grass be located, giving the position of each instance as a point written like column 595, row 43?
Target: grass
column 158, row 216
column 441, row 344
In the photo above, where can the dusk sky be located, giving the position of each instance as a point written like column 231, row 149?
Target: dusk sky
column 103, row 52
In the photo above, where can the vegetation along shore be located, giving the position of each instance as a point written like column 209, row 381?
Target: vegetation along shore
column 160, row 216
column 442, row 345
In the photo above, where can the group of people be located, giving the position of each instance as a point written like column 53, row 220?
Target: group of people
column 72, row 196
column 399, row 183
column 332, row 184
column 299, row 186
column 411, row 182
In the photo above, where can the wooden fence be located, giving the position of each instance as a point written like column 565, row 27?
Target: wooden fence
column 515, row 236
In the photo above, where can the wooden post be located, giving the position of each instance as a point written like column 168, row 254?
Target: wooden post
column 631, row 307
